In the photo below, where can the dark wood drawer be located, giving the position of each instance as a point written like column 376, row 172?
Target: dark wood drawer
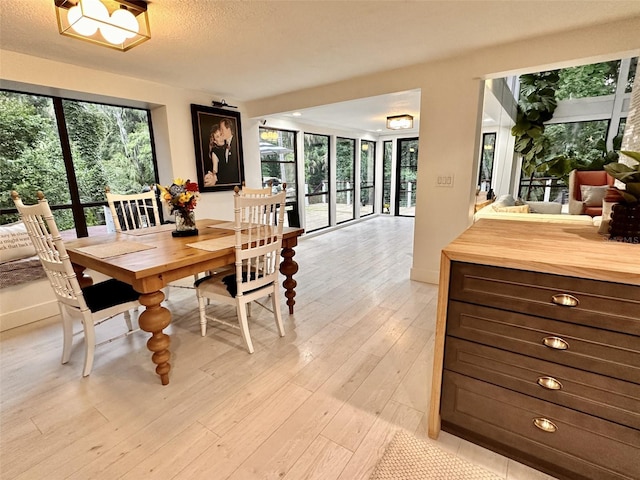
column 582, row 447
column 598, row 395
column 604, row 352
column 605, row 305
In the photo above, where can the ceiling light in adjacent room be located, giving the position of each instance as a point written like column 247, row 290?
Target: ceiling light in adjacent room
column 118, row 24
column 399, row 122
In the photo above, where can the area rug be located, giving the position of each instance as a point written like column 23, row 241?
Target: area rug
column 409, row 458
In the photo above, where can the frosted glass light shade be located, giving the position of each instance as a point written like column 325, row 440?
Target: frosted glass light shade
column 399, row 122
column 81, row 24
column 90, row 20
column 126, row 21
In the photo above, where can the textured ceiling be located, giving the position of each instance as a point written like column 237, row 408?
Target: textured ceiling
column 246, row 50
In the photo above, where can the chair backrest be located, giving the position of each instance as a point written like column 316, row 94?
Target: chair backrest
column 133, row 211
column 589, row 177
column 578, row 179
column 256, row 192
column 45, row 236
column 258, row 239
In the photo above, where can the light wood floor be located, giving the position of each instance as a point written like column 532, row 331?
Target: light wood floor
column 320, row 403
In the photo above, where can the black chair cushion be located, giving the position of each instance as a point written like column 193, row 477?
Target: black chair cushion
column 229, row 281
column 107, row 294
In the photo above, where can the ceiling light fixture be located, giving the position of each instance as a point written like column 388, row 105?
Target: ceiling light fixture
column 117, row 24
column 269, row 135
column 400, row 122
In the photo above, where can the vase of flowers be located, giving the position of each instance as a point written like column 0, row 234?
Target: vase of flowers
column 181, row 197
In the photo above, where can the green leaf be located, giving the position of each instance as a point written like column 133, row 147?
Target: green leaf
column 535, row 131
column 629, row 198
column 633, row 188
column 622, row 172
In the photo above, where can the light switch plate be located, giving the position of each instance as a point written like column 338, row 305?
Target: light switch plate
column 444, row 180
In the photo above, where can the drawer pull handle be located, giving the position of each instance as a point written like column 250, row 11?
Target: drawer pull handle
column 549, row 383
column 555, row 342
column 545, row 425
column 565, row 300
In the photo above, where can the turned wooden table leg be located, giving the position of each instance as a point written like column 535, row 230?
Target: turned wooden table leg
column 153, row 320
column 288, row 268
column 84, row 279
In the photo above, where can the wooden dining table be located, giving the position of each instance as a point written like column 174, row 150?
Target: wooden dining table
column 148, row 259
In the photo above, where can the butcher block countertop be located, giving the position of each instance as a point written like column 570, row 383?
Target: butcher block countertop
column 571, row 250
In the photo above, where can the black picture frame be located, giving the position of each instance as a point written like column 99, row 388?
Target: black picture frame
column 220, row 166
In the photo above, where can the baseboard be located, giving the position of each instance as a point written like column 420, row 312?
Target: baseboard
column 426, row 276
column 30, row 314
column 17, row 302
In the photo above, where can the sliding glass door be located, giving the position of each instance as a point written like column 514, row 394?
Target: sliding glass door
column 316, row 171
column 367, row 177
column 406, row 176
column 345, row 179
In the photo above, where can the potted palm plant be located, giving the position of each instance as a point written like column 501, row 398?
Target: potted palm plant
column 625, row 215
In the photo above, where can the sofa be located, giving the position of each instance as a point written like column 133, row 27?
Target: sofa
column 505, row 208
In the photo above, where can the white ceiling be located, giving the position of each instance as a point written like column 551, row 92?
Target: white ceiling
column 246, row 50
column 367, row 115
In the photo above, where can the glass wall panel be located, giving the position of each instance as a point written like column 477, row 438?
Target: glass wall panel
column 387, row 152
column 278, row 164
column 583, row 140
column 407, row 173
column 345, row 178
column 110, row 146
column 367, row 177
column 30, row 153
column 633, row 67
column 486, row 161
column 71, row 151
column 316, row 170
column 588, row 80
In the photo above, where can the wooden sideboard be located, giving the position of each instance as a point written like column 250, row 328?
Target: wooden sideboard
column 537, row 352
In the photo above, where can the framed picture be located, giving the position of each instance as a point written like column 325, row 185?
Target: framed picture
column 218, row 141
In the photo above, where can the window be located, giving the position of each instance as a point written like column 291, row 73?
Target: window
column 633, row 67
column 316, row 170
column 486, row 161
column 578, row 135
column 71, row 151
column 367, row 176
column 278, row 163
column 583, row 140
column 406, row 175
column 387, row 153
column 345, row 178
column 588, row 80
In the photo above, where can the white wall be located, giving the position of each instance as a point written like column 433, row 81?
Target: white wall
column 451, row 117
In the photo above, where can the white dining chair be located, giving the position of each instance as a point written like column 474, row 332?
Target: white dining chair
column 133, row 211
column 256, row 192
column 258, row 242
column 90, row 305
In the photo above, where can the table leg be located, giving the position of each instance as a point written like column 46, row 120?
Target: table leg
column 288, row 268
column 153, row 320
column 84, row 279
